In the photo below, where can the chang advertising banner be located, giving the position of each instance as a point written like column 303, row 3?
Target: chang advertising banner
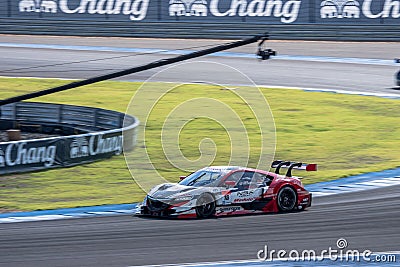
column 268, row 11
column 107, row 133
column 286, row 12
column 90, row 147
column 133, row 10
column 356, row 12
column 31, row 155
column 23, row 156
column 260, row 11
column 211, row 11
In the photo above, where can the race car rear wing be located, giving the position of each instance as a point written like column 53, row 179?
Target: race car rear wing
column 278, row 164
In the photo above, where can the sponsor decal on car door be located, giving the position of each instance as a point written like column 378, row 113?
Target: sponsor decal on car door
column 245, row 196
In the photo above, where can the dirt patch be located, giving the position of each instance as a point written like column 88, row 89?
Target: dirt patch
column 25, row 136
column 8, row 210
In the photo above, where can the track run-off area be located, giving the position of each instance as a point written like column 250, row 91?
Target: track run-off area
column 367, row 219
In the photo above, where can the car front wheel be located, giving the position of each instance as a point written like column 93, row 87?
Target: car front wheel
column 205, row 206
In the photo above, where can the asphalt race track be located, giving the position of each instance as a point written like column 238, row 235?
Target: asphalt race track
column 367, row 220
column 295, row 73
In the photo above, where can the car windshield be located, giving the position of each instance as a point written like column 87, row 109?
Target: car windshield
column 204, row 178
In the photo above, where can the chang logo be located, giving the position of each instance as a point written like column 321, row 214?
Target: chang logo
column 38, row 6
column 20, row 153
column 79, row 148
column 340, row 9
column 188, row 8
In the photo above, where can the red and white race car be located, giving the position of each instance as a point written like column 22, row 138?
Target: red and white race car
column 229, row 190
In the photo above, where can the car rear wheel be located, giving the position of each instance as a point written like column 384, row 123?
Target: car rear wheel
column 205, row 206
column 287, row 199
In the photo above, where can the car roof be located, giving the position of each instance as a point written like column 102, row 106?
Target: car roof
column 223, row 168
column 232, row 168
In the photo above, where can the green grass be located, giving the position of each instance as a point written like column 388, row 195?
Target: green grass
column 344, row 134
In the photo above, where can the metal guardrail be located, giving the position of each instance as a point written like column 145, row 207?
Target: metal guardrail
column 87, row 119
column 208, row 31
column 195, row 30
column 90, row 134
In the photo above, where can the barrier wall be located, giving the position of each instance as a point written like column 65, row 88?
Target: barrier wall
column 200, row 18
column 92, row 134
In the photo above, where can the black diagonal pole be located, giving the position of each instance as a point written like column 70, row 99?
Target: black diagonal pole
column 152, row 65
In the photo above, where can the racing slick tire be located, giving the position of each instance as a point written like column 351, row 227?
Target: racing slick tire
column 286, row 199
column 205, row 206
